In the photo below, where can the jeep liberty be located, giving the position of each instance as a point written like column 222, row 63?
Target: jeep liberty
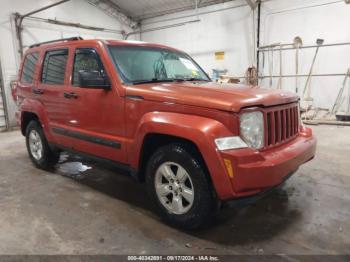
column 153, row 111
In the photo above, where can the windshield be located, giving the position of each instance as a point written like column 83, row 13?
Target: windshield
column 138, row 64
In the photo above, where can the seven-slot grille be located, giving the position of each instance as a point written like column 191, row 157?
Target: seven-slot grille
column 281, row 124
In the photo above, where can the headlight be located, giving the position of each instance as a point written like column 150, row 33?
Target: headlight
column 232, row 142
column 252, row 129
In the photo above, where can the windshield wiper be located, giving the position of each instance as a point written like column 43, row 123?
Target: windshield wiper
column 189, row 79
column 196, row 79
column 156, row 80
column 153, row 80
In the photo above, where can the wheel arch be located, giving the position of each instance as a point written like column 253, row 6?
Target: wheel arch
column 197, row 131
column 153, row 141
column 25, row 120
column 32, row 109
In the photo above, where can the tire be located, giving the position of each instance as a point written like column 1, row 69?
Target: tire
column 47, row 157
column 179, row 158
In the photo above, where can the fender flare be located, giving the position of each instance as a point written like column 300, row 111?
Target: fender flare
column 36, row 107
column 200, row 130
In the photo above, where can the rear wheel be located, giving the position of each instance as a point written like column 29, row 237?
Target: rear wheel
column 38, row 149
column 178, row 184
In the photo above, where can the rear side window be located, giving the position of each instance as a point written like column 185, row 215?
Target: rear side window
column 54, row 67
column 29, row 68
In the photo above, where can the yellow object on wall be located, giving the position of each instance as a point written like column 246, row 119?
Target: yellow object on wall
column 220, row 55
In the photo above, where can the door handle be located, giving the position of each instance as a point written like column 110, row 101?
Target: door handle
column 70, row 95
column 38, row 91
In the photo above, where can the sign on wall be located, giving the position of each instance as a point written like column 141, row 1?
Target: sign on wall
column 220, row 55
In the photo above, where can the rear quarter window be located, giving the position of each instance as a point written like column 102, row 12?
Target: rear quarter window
column 29, row 65
column 54, row 67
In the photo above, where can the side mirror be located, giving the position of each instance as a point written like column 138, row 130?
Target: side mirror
column 94, row 79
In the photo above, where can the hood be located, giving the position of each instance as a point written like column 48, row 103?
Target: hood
column 228, row 97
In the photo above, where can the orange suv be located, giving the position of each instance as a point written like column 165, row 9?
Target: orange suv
column 152, row 110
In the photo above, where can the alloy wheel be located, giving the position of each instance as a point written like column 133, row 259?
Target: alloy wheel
column 174, row 188
column 35, row 145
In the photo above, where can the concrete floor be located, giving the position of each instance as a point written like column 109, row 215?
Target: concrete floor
column 86, row 209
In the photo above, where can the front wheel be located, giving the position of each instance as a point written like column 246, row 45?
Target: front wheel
column 38, row 149
column 180, row 187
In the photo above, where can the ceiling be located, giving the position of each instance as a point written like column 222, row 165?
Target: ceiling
column 142, row 9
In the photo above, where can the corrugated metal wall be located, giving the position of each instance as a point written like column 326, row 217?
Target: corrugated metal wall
column 142, row 9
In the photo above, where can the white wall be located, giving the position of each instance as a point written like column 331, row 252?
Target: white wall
column 315, row 19
column 77, row 11
column 231, row 31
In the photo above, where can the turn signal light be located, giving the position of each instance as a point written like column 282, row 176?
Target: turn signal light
column 229, row 168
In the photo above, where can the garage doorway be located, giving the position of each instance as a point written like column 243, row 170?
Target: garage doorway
column 3, row 118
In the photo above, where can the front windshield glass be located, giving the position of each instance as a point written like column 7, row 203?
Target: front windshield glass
column 138, row 64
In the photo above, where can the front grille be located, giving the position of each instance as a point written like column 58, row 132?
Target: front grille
column 281, row 124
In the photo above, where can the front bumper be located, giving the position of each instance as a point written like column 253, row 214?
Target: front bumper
column 248, row 200
column 256, row 171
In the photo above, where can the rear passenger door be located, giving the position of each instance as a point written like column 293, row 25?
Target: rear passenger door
column 96, row 115
column 50, row 90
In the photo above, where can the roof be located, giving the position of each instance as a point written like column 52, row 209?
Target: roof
column 79, row 40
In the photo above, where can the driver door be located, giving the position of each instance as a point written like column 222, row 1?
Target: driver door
column 96, row 114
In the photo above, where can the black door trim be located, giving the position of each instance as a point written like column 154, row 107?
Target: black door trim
column 121, row 166
column 91, row 139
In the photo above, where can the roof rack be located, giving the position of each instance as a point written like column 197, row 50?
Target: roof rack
column 75, row 38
